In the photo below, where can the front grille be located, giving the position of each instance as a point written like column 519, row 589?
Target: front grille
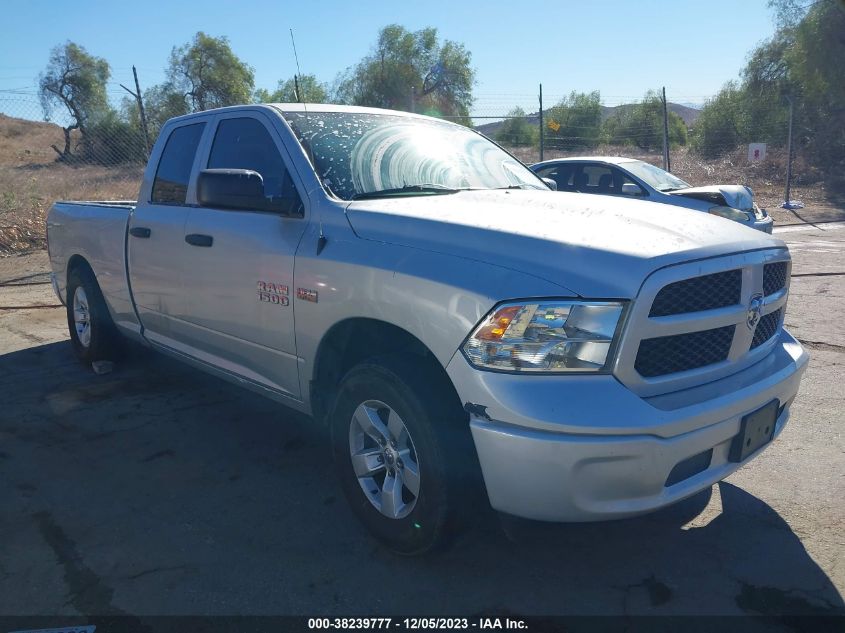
column 774, row 278
column 681, row 352
column 766, row 328
column 699, row 293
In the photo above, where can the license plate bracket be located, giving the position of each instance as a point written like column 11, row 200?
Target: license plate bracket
column 756, row 430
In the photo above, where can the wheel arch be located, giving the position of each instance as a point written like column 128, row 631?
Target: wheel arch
column 354, row 340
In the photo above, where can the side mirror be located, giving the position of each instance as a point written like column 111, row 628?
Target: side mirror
column 551, row 183
column 241, row 189
column 630, row 189
column 231, row 189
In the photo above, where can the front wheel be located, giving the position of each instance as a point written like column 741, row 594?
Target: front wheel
column 398, row 448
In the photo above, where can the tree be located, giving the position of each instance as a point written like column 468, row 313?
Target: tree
column 642, row 125
column 814, row 65
column 408, row 71
column 575, row 122
column 76, row 81
column 517, row 130
column 206, row 73
column 721, row 124
column 801, row 63
column 310, row 91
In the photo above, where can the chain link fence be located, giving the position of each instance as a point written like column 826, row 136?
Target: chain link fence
column 41, row 162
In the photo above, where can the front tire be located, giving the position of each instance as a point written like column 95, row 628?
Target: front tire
column 92, row 332
column 400, row 448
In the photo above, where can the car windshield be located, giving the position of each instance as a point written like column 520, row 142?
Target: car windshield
column 654, row 176
column 361, row 154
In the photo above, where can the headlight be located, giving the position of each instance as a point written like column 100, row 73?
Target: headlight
column 546, row 336
column 730, row 213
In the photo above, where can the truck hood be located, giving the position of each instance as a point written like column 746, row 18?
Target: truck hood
column 736, row 196
column 592, row 246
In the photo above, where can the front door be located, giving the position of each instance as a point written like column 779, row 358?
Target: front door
column 239, row 309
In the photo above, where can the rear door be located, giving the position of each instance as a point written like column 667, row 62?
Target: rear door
column 239, row 312
column 155, row 244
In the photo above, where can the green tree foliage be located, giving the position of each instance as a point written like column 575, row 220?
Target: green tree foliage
column 310, row 91
column 406, row 70
column 115, row 139
column 76, row 81
column 517, row 130
column 207, row 74
column 721, row 122
column 642, row 125
column 815, row 66
column 802, row 62
column 575, row 122
column 161, row 103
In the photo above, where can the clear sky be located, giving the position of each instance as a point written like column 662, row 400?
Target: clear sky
column 620, row 47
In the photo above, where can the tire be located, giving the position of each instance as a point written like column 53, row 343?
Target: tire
column 430, row 459
column 93, row 334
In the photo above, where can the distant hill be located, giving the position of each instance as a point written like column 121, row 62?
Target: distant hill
column 687, row 113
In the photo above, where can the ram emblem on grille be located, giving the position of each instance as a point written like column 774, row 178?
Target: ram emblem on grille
column 755, row 309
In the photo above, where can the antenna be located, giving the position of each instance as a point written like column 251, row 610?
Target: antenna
column 306, row 145
column 321, row 241
column 298, row 74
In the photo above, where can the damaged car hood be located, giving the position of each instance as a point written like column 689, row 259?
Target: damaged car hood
column 596, row 246
column 736, row 196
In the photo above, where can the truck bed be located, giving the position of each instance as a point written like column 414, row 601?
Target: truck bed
column 96, row 230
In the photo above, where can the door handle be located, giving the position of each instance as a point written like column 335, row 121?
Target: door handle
column 139, row 231
column 196, row 239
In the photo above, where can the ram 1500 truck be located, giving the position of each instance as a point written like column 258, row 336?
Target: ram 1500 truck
column 410, row 283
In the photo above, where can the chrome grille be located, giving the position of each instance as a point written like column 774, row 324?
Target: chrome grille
column 699, row 293
column 682, row 352
column 766, row 328
column 691, row 323
column 774, row 277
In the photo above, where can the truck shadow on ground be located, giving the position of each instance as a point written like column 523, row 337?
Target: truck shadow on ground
column 158, row 489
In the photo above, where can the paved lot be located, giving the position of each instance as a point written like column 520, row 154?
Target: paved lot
column 159, row 490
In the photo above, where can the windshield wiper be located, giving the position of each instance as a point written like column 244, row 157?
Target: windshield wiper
column 407, row 189
column 524, row 185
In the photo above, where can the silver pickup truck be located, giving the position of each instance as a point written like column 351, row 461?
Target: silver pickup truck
column 449, row 317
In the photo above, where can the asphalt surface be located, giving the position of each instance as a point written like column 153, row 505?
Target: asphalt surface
column 156, row 489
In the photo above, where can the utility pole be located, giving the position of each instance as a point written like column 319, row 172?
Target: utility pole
column 542, row 127
column 787, row 203
column 666, row 164
column 140, row 100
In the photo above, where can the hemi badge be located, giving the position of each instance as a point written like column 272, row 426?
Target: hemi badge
column 306, row 295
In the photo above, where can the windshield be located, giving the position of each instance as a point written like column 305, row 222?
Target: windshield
column 654, row 176
column 358, row 154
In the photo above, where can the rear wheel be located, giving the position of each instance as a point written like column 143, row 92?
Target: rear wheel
column 92, row 331
column 401, row 451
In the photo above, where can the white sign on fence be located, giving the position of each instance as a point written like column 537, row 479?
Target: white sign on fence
column 756, row 152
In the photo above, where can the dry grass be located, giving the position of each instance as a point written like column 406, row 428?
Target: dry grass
column 31, row 180
column 26, row 194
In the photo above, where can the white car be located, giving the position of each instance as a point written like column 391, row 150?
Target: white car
column 619, row 176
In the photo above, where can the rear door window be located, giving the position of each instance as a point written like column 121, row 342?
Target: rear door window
column 174, row 168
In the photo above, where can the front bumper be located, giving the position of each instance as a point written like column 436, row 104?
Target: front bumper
column 765, row 224
column 585, row 448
